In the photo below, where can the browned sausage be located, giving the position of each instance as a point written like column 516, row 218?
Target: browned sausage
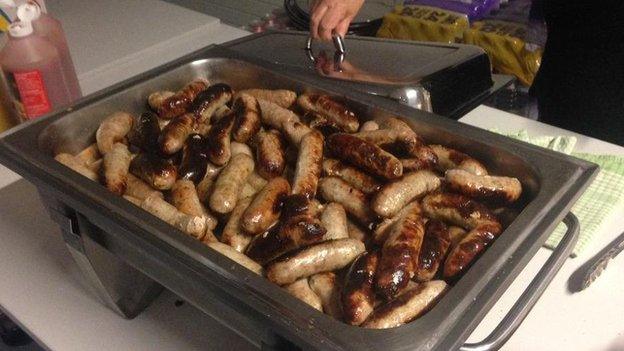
column 158, row 173
column 463, row 255
column 295, row 131
column 281, row 97
column 157, row 98
column 233, row 234
column 452, row 159
column 173, row 136
column 116, row 165
column 365, row 155
column 139, row 189
column 381, row 232
column 194, row 159
column 323, row 257
column 247, row 122
column 275, row 115
column 218, row 141
column 399, row 255
column 145, row 132
column 491, row 189
column 336, row 112
column 209, row 100
column 356, row 178
column 177, row 104
column 113, row 130
column 229, row 182
column 358, row 295
column 394, row 196
column 433, row 250
column 334, row 219
column 309, row 164
column 423, row 158
column 266, row 206
column 184, row 197
column 237, row 257
column 270, row 154
column 301, row 290
column 326, row 287
column 334, row 189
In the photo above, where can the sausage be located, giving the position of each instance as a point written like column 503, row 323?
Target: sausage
column 493, row 190
column 76, row 165
column 220, row 112
column 368, row 126
column 247, row 121
column 394, row 196
column 177, row 104
column 229, row 182
column 280, row 97
column 365, row 155
column 301, row 290
column 116, row 165
column 334, row 219
column 270, row 154
column 309, row 164
column 295, row 131
column 256, row 181
column 408, row 306
column 266, row 206
column 463, row 255
column 399, row 254
column 452, row 159
column 173, row 136
column 209, row 100
column 380, row 136
column 192, row 225
column 157, row 98
column 456, row 234
column 358, row 295
column 298, row 205
column 205, row 186
column 145, row 132
column 218, row 141
column 423, row 158
column 136, row 201
column 356, row 178
column 113, row 130
column 381, row 232
column 336, row 112
column 194, row 159
column 292, row 234
column 184, row 197
column 275, row 115
column 355, row 232
column 237, row 257
column 323, row 257
column 202, row 128
column 334, row 189
column 457, row 209
column 89, row 155
column 434, row 248
column 158, row 173
column 233, row 234
column 139, row 189
column 326, row 287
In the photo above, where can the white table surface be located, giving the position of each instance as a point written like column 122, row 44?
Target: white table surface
column 41, row 288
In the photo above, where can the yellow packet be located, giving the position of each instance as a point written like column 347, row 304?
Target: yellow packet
column 423, row 23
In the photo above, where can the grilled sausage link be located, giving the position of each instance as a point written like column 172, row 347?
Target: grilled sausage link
column 433, row 250
column 89, row 155
column 452, row 159
column 327, row 288
column 358, row 295
column 210, row 100
column 247, row 123
column 355, row 232
column 334, row 189
column 173, row 136
column 280, row 97
column 337, row 113
column 463, row 255
column 356, row 178
column 237, row 257
column 399, row 255
column 116, row 165
column 184, row 197
column 192, row 225
column 365, row 155
column 334, row 219
column 381, row 232
column 323, row 257
column 301, row 290
column 158, row 173
column 266, row 206
column 309, row 164
column 194, row 158
column 229, row 182
column 408, row 306
column 76, row 165
column 295, row 131
column 219, row 139
column 422, row 158
column 113, row 130
column 491, row 189
column 368, row 126
column 157, row 98
column 139, row 189
column 177, row 104
column 275, row 115
column 233, row 234
column 270, row 154
column 394, row 196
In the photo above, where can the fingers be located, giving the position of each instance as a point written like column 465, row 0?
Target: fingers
column 343, row 27
column 330, row 20
column 319, row 10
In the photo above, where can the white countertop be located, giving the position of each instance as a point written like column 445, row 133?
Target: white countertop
column 41, row 287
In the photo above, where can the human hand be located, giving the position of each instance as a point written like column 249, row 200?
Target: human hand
column 332, row 17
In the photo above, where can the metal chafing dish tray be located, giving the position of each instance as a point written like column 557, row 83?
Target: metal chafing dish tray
column 127, row 254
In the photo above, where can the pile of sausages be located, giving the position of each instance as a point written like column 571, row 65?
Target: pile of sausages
column 363, row 221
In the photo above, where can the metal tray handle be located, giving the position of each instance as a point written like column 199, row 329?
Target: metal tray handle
column 532, row 293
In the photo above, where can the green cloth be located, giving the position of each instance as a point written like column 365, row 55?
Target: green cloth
column 603, row 198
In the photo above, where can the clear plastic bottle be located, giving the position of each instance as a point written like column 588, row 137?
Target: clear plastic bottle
column 32, row 66
column 51, row 29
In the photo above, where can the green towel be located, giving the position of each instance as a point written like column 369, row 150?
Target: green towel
column 602, row 199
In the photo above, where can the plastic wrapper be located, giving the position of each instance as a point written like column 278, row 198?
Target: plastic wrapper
column 474, row 9
column 423, row 23
column 506, row 45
